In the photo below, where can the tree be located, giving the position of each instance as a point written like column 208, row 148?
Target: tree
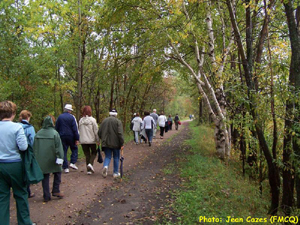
column 292, row 111
column 193, row 45
column 247, row 59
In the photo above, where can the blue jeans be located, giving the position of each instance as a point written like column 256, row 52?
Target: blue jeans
column 149, row 133
column 66, row 142
column 116, row 155
column 136, row 136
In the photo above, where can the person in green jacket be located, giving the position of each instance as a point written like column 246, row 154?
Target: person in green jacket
column 49, row 153
column 112, row 141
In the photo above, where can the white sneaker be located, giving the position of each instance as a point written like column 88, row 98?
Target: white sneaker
column 73, row 166
column 116, row 175
column 104, row 171
column 67, row 170
column 91, row 167
column 89, row 173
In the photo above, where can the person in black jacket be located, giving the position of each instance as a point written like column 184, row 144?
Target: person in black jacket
column 66, row 126
column 176, row 120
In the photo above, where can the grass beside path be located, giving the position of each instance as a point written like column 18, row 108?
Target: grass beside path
column 213, row 190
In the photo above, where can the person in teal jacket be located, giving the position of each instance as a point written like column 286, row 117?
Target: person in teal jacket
column 49, row 153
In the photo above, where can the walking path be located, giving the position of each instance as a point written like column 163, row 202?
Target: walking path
column 92, row 199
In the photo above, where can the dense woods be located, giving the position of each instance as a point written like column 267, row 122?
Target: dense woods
column 235, row 64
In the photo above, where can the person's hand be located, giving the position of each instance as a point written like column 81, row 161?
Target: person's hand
column 98, row 143
column 76, row 142
column 59, row 161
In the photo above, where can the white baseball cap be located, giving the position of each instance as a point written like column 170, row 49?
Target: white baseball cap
column 68, row 107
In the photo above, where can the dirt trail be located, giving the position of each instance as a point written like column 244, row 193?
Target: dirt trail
column 92, row 199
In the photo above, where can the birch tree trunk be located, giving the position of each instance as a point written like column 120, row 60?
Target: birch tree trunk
column 217, row 97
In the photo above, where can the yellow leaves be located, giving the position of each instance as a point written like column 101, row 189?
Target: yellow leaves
column 218, row 59
column 182, row 35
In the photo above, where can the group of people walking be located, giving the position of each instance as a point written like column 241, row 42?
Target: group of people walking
column 145, row 129
column 50, row 146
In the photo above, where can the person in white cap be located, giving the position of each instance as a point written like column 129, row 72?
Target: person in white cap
column 112, row 141
column 137, row 125
column 66, row 126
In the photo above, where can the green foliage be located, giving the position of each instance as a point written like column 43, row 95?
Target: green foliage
column 213, row 189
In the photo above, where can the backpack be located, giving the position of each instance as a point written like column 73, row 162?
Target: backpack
column 33, row 172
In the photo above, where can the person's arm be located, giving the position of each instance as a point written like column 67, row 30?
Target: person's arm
column 21, row 139
column 153, row 124
column 120, row 133
column 75, row 129
column 59, row 152
column 100, row 131
column 95, row 129
column 57, row 125
column 31, row 135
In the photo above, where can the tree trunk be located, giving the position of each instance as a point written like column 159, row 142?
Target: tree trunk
column 247, row 59
column 294, row 80
column 201, row 111
column 273, row 172
column 97, row 105
column 243, row 150
column 111, row 101
column 220, row 138
column 79, row 68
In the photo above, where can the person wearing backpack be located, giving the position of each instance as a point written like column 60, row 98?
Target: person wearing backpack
column 24, row 118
